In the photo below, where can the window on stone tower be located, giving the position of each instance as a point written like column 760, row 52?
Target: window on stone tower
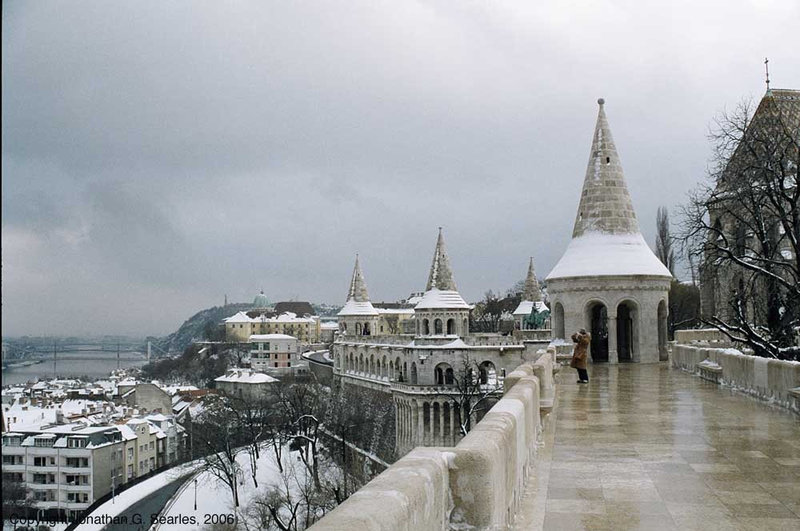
column 608, row 160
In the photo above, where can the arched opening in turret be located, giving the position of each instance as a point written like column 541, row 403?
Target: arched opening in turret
column 451, row 327
column 558, row 320
column 437, row 327
column 488, row 374
column 441, row 373
column 426, row 327
column 597, row 319
column 663, row 313
column 627, row 331
column 413, row 372
column 366, row 329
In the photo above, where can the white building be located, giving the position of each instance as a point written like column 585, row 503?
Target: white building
column 273, row 351
column 66, row 467
column 245, row 383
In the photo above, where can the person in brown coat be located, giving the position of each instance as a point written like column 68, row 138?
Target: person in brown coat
column 580, row 354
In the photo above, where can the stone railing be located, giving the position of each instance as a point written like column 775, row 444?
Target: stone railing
column 701, row 335
column 476, row 484
column 775, row 380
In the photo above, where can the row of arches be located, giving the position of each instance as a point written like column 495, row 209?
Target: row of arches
column 360, row 329
column 440, row 326
column 380, row 368
column 623, row 330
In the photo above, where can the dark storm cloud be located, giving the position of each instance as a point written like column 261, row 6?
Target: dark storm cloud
column 159, row 155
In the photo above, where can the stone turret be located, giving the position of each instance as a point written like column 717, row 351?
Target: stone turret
column 442, row 310
column 358, row 316
column 532, row 291
column 531, row 299
column 609, row 281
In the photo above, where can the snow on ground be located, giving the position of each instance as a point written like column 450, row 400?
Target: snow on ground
column 132, row 495
column 214, row 497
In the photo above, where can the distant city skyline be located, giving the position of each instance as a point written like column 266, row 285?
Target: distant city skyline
column 159, row 157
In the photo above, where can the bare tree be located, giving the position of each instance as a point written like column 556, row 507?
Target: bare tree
column 217, row 431
column 472, row 391
column 743, row 227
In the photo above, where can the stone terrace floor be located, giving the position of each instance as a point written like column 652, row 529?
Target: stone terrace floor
column 650, row 447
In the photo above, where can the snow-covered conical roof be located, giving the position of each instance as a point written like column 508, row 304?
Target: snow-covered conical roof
column 532, row 291
column 357, row 297
column 606, row 240
column 532, row 296
column 441, row 291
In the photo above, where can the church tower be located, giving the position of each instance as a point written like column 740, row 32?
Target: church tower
column 609, row 281
column 441, row 311
column 358, row 317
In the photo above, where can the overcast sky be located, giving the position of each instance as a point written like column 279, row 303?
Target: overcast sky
column 158, row 155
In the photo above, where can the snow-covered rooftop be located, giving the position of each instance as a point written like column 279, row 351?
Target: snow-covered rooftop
column 247, row 376
column 436, row 298
column 353, row 307
column 269, row 337
column 526, row 307
column 600, row 254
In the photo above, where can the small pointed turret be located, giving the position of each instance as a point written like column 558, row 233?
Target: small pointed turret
column 358, row 288
column 358, row 302
column 605, row 204
column 532, row 291
column 441, row 275
column 441, row 291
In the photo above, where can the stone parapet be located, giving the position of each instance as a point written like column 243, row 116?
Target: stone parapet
column 768, row 379
column 476, row 484
column 708, row 335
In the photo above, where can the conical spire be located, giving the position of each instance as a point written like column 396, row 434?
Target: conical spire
column 441, row 276
column 532, row 291
column 605, row 205
column 358, row 288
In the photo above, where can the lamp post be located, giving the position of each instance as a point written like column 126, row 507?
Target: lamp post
column 195, row 494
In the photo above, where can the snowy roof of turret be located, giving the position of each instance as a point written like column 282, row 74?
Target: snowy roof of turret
column 526, row 307
column 357, row 297
column 441, row 290
column 606, row 240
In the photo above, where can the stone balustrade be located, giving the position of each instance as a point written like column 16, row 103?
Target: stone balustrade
column 775, row 380
column 701, row 335
column 476, row 484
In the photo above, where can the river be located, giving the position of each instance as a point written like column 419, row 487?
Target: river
column 71, row 364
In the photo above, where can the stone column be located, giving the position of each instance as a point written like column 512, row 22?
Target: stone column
column 451, row 436
column 613, row 356
column 441, row 423
column 420, row 438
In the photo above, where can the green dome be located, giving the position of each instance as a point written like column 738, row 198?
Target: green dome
column 261, row 300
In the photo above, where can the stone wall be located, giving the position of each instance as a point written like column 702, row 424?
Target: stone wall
column 477, row 484
column 708, row 335
column 775, row 380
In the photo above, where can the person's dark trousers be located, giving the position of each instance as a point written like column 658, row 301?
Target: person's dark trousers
column 583, row 375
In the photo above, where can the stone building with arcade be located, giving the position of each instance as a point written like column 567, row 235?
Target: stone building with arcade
column 609, row 281
column 419, row 369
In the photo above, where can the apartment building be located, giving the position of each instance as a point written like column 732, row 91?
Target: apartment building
column 65, row 467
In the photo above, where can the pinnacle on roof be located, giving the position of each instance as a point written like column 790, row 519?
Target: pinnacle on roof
column 532, row 291
column 605, row 204
column 358, row 288
column 441, row 276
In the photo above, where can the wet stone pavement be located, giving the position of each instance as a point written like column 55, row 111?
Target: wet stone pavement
column 650, row 447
